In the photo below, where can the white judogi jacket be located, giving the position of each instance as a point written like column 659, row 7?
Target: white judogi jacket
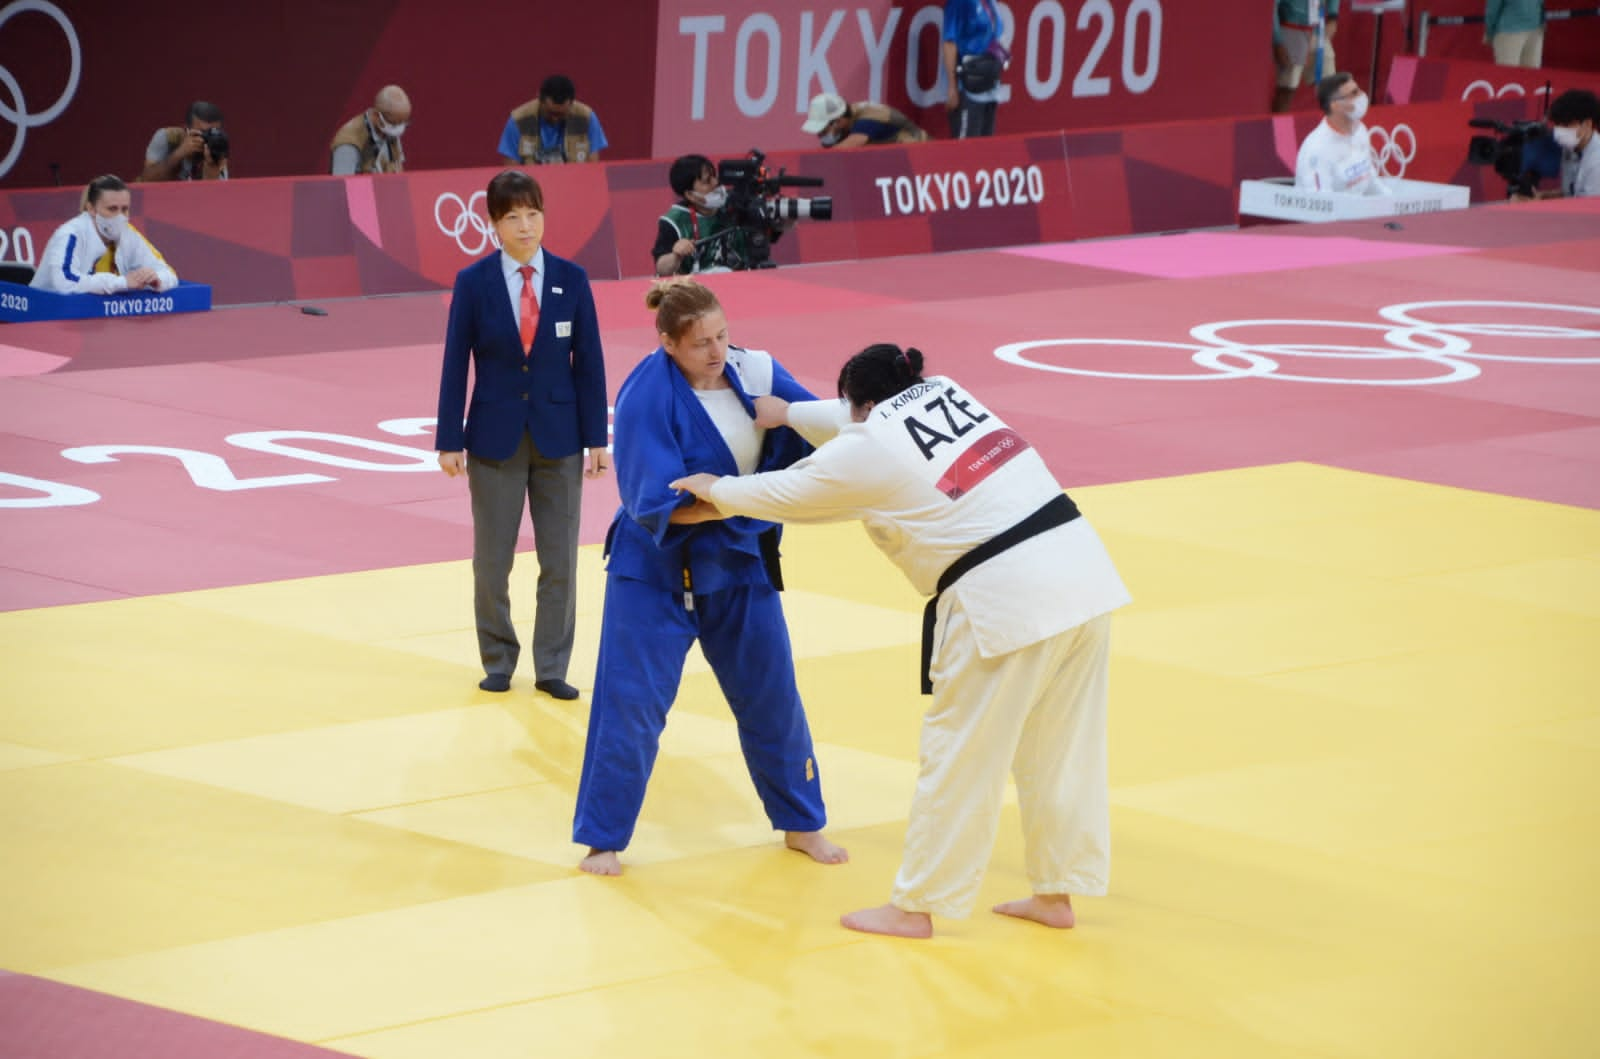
column 932, row 474
column 74, row 251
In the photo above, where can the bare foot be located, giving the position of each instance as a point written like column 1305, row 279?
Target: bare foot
column 816, row 846
column 601, row 862
column 887, row 919
column 1053, row 910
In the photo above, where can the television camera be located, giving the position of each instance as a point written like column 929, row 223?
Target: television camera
column 757, row 211
column 1521, row 152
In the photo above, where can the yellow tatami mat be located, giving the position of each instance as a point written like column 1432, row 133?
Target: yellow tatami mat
column 1355, row 749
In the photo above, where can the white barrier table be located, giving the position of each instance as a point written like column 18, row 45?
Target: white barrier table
column 1278, row 199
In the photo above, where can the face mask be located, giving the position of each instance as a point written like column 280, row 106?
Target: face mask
column 111, row 228
column 1358, row 107
column 395, row 131
column 715, row 199
column 1566, row 136
column 830, row 138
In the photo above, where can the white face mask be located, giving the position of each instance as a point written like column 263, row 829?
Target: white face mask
column 715, row 199
column 1565, row 136
column 830, row 138
column 111, row 228
column 1358, row 107
column 392, row 131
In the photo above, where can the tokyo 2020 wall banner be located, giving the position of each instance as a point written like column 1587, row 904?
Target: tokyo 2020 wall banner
column 736, row 74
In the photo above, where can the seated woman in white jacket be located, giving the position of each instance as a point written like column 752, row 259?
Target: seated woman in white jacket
column 1015, row 639
column 99, row 252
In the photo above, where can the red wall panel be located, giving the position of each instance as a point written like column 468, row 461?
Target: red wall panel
column 287, row 74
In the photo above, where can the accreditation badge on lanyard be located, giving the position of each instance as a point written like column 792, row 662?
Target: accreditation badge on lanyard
column 942, row 434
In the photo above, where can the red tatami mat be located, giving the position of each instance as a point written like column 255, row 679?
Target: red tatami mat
column 1478, row 367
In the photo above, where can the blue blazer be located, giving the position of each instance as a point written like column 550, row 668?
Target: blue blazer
column 557, row 394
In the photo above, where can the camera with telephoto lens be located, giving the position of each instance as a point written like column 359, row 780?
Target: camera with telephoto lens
column 1521, row 152
column 757, row 210
column 216, row 143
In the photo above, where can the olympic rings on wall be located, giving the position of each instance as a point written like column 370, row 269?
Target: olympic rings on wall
column 19, row 116
column 469, row 228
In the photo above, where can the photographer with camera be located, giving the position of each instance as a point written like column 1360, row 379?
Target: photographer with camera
column 689, row 235
column 196, row 150
column 553, row 128
column 370, row 141
column 836, row 123
column 1337, row 155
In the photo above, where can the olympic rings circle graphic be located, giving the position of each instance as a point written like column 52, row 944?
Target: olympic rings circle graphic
column 1439, row 351
column 1490, row 92
column 1390, row 149
column 467, row 219
column 1508, row 90
column 19, row 115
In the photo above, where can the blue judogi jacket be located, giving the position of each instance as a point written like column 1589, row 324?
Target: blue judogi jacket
column 663, row 433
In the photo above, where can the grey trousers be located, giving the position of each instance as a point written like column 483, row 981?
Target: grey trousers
column 972, row 119
column 553, row 489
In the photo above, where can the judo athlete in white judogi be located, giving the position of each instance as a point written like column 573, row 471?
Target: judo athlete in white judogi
column 1020, row 627
column 678, row 572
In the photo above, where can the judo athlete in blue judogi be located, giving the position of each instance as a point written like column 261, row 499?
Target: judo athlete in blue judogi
column 678, row 572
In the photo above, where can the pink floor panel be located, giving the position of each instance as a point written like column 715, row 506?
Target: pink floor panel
column 259, row 443
column 47, row 1019
column 1226, row 254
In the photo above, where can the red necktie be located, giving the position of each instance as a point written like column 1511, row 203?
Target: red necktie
column 530, row 308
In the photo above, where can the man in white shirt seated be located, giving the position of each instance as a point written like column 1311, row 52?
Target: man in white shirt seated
column 1338, row 154
column 99, row 252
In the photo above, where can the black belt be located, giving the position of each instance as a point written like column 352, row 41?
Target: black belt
column 1057, row 512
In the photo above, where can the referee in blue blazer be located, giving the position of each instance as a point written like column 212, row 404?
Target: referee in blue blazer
column 535, row 427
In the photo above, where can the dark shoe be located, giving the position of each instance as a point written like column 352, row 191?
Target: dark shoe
column 496, row 682
column 556, row 689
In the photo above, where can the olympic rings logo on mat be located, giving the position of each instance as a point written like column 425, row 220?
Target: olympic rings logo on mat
column 469, row 228
column 1414, row 351
column 1388, row 148
column 19, row 116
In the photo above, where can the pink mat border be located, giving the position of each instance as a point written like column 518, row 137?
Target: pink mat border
column 1197, row 255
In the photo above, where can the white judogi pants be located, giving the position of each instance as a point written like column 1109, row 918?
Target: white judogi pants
column 1039, row 712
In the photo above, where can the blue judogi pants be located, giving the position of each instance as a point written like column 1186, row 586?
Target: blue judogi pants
column 645, row 636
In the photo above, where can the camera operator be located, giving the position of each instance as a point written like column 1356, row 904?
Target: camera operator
column 1573, row 116
column 196, row 150
column 684, row 234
